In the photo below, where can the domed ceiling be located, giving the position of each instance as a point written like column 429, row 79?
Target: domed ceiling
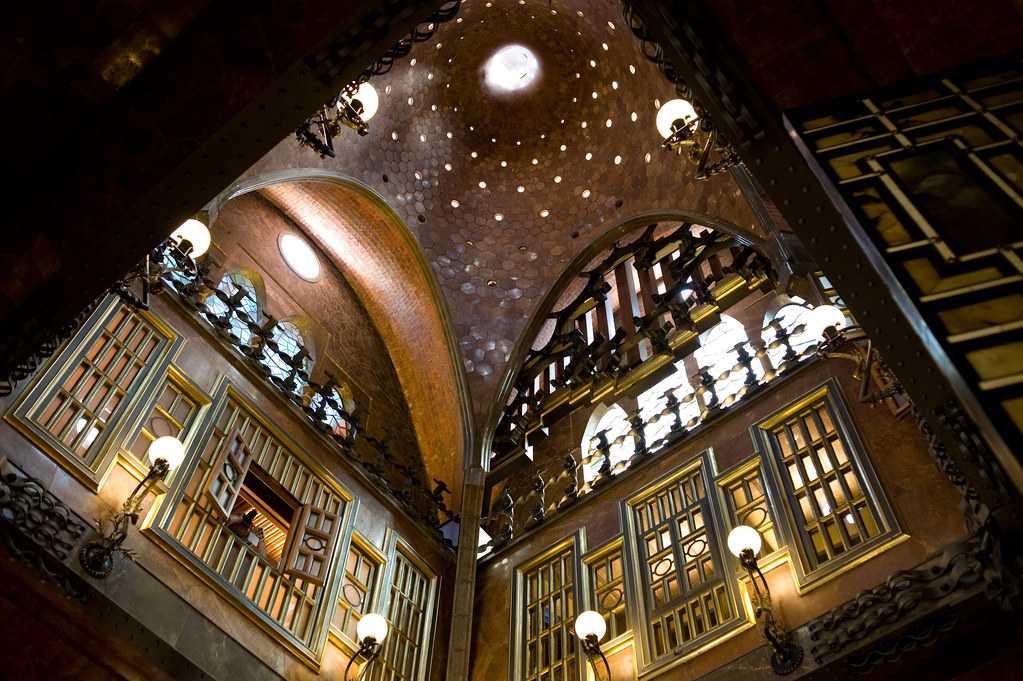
column 502, row 188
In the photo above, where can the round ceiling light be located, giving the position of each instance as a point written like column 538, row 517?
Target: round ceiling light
column 299, row 256
column 512, row 68
column 367, row 96
column 672, row 111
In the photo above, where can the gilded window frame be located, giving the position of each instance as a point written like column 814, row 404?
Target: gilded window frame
column 394, row 544
column 589, row 602
column 93, row 473
column 789, row 526
column 376, row 589
column 517, row 617
column 646, row 663
column 157, row 527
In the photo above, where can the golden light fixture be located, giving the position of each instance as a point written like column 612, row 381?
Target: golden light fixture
column 688, row 133
column 786, row 655
column 590, row 627
column 97, row 557
column 371, row 631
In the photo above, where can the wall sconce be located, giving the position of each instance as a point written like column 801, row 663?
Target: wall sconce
column 371, row 630
column 590, row 627
column 786, row 655
column 97, row 557
column 688, row 133
column 353, row 108
column 835, row 340
column 178, row 253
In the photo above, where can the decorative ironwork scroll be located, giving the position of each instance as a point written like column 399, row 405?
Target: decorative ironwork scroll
column 39, row 529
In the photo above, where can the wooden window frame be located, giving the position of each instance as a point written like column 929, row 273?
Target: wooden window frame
column 647, row 662
column 576, row 544
column 592, row 600
column 395, row 544
column 374, row 593
column 205, row 526
column 809, row 574
column 93, row 471
column 740, row 472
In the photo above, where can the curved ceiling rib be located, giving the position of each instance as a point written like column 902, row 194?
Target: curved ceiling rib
column 502, row 188
column 371, row 247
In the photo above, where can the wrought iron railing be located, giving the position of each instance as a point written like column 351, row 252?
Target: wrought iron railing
column 650, row 296
column 318, row 402
column 550, row 488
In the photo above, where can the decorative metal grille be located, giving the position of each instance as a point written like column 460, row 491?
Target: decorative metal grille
column 289, row 595
column 358, row 590
column 607, row 581
column 408, row 611
column 836, row 509
column 549, row 603
column 932, row 175
column 689, row 597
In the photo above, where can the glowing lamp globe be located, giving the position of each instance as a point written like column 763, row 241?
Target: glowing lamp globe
column 744, row 537
column 168, row 448
column 670, row 112
column 371, row 626
column 196, row 233
column 590, row 623
column 820, row 318
column 367, row 95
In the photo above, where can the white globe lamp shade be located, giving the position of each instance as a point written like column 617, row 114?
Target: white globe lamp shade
column 168, row 448
column 196, row 233
column 744, row 537
column 367, row 94
column 590, row 623
column 670, row 112
column 820, row 318
column 372, row 626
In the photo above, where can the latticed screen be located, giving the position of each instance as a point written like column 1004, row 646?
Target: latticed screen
column 686, row 593
column 748, row 504
column 932, row 170
column 207, row 521
column 831, row 508
column 410, row 596
column 356, row 596
column 93, row 392
column 607, row 579
column 172, row 414
column 550, row 610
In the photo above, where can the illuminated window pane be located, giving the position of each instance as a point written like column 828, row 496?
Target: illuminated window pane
column 717, row 355
column 615, row 425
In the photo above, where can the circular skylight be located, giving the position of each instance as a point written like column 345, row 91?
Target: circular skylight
column 511, row 68
column 299, row 256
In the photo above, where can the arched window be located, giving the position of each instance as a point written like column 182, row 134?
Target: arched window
column 615, row 424
column 788, row 317
column 653, row 406
column 245, row 309
column 717, row 355
column 334, row 414
column 289, row 341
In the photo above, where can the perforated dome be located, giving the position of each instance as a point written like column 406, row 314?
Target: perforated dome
column 503, row 188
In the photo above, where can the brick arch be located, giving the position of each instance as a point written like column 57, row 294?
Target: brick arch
column 381, row 260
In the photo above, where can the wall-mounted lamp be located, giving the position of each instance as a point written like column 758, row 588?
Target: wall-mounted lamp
column 97, row 557
column 178, row 253
column 590, row 627
column 371, row 630
column 688, row 133
column 352, row 108
column 836, row 340
column 786, row 655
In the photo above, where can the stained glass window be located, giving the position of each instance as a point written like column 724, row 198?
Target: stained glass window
column 245, row 311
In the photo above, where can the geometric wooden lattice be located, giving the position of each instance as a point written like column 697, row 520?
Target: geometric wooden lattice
column 932, row 172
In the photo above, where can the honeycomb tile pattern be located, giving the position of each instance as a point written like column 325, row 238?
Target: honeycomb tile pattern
column 503, row 190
